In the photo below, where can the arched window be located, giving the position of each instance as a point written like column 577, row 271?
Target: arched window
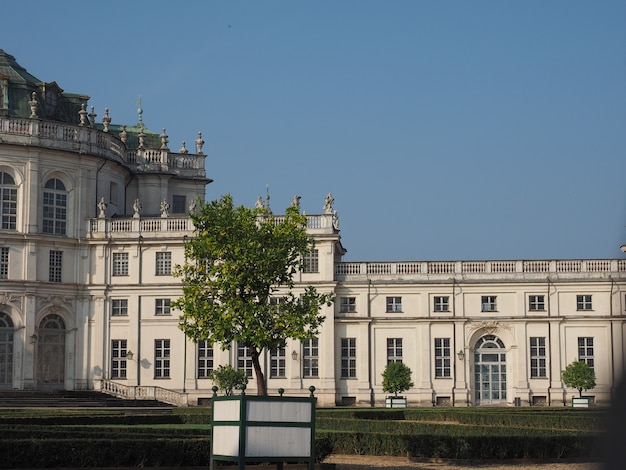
column 54, row 207
column 490, row 371
column 51, row 352
column 6, row 350
column 8, row 202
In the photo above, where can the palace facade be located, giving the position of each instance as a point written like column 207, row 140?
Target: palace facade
column 94, row 216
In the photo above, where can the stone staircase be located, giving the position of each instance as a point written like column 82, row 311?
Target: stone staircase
column 74, row 399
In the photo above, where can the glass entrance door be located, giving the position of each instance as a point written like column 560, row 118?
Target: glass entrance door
column 489, row 371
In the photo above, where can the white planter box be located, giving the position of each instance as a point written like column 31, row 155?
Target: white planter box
column 580, row 402
column 395, row 402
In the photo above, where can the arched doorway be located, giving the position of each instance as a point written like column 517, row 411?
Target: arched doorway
column 489, row 371
column 51, row 353
column 6, row 351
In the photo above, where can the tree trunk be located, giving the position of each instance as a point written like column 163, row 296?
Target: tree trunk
column 258, row 372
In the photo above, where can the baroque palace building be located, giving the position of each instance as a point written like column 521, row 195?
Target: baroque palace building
column 94, row 216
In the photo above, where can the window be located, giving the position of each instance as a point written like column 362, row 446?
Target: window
column 536, row 303
column 394, row 350
column 348, row 358
column 277, row 363
column 161, row 358
column 179, row 204
column 120, row 264
column 442, row 358
column 205, row 359
column 585, row 350
column 310, row 358
column 394, row 304
column 119, row 307
column 537, row 356
column 118, row 359
column 8, row 202
column 56, row 266
column 442, row 304
column 164, row 263
column 347, row 304
column 4, row 263
column 488, row 303
column 583, row 302
column 162, row 307
column 310, row 262
column 54, row 207
column 244, row 359
column 113, row 193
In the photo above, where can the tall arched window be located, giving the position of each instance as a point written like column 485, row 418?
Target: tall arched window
column 51, row 352
column 6, row 350
column 54, row 207
column 8, row 202
column 489, row 371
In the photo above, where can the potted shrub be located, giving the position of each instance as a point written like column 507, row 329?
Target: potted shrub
column 580, row 376
column 396, row 379
column 227, row 378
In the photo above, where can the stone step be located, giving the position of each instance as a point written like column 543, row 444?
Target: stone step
column 71, row 399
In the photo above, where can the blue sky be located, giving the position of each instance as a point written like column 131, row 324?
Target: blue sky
column 445, row 130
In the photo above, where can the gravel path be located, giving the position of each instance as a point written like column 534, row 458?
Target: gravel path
column 366, row 462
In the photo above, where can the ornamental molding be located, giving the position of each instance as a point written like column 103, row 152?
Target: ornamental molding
column 489, row 327
column 7, row 298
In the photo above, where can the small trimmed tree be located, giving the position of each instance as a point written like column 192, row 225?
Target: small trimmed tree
column 227, row 379
column 396, row 378
column 580, row 376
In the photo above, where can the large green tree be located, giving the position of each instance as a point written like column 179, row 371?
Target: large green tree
column 238, row 280
column 579, row 376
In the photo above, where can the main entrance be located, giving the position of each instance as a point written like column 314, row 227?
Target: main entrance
column 51, row 353
column 489, row 371
column 6, row 351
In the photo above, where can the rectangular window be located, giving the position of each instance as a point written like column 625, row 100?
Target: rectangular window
column 310, row 358
column 113, row 193
column 8, row 203
column 394, row 304
column 205, row 359
column 56, row 266
column 347, row 304
column 538, row 356
column 4, row 263
column 119, row 307
column 118, row 359
column 162, row 358
column 244, row 359
column 120, row 264
column 442, row 304
column 310, row 262
column 277, row 363
column 536, row 303
column 442, row 358
column 162, row 307
column 583, row 302
column 179, row 204
column 488, row 303
column 585, row 350
column 394, row 350
column 164, row 263
column 348, row 358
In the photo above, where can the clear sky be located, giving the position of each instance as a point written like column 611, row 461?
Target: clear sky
column 445, row 130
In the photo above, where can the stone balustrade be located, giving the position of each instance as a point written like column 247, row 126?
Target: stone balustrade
column 91, row 141
column 425, row 270
column 142, row 392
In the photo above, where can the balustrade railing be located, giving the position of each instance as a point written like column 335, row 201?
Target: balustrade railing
column 101, row 143
column 142, row 392
column 478, row 268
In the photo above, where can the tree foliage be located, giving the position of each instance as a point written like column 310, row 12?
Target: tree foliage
column 238, row 280
column 227, row 378
column 396, row 378
column 580, row 376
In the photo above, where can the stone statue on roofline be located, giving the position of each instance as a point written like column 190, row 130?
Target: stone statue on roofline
column 165, row 207
column 136, row 208
column 102, row 207
column 295, row 202
column 328, row 204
